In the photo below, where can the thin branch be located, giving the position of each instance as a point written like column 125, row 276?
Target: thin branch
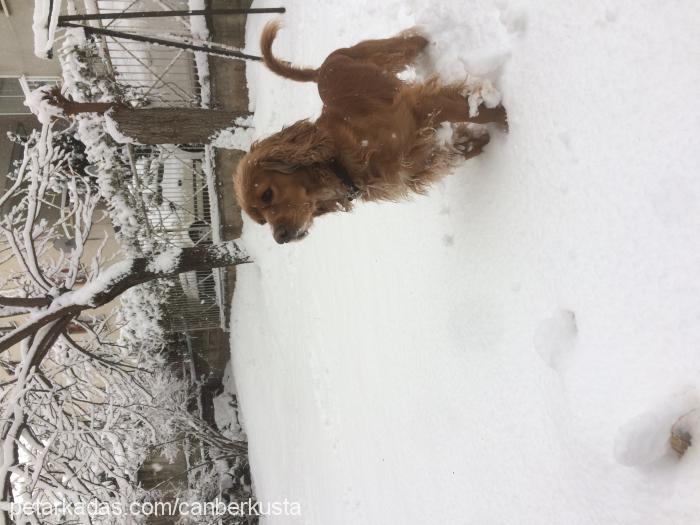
column 78, row 348
column 25, row 302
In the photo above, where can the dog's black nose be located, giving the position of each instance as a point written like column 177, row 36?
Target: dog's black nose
column 282, row 235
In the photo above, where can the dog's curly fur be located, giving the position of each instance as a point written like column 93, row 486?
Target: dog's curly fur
column 382, row 131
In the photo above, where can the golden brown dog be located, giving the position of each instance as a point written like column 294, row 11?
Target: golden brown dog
column 375, row 139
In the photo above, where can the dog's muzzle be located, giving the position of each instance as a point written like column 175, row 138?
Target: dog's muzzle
column 283, row 235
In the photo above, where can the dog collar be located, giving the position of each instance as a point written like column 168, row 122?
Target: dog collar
column 339, row 171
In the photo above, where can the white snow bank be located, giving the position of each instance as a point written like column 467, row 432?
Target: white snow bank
column 239, row 136
column 514, row 347
column 226, row 413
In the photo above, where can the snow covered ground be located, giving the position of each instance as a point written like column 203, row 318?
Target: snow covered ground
column 514, row 347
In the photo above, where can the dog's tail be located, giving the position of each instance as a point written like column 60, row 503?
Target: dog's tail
column 281, row 67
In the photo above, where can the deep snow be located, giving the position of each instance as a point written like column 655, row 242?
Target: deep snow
column 514, row 347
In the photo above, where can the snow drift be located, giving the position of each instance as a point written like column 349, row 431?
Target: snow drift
column 514, row 347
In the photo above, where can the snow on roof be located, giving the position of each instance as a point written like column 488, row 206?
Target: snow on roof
column 44, row 26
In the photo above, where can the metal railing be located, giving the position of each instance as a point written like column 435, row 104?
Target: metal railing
column 173, row 187
column 160, row 76
column 173, row 183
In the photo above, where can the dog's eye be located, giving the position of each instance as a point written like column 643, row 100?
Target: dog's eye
column 267, row 196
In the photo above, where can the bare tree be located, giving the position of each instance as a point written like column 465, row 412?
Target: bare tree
column 77, row 415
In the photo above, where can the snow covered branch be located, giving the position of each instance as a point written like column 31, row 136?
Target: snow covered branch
column 78, row 416
column 121, row 277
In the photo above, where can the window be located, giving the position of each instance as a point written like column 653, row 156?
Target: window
column 13, row 91
column 12, row 97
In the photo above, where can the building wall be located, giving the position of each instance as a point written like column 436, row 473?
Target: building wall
column 110, row 251
column 16, row 59
column 17, row 43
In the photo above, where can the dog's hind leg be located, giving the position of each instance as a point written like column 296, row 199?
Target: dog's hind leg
column 470, row 142
column 456, row 109
column 447, row 104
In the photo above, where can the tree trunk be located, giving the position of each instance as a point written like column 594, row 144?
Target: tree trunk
column 156, row 125
column 173, row 125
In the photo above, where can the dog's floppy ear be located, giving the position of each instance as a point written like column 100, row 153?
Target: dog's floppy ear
column 298, row 146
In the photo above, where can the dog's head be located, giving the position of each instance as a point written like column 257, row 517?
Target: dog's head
column 284, row 181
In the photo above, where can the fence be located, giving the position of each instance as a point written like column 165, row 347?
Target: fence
column 174, row 182
column 160, row 76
